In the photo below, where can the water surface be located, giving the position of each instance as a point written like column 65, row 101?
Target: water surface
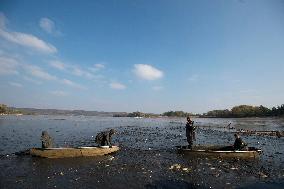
column 146, row 155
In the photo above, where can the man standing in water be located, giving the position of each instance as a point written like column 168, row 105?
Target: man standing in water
column 190, row 132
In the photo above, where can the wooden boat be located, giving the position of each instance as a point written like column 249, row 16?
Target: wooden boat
column 219, row 151
column 72, row 152
column 279, row 134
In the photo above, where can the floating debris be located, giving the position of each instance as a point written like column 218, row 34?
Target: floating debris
column 185, row 169
column 110, row 158
column 233, row 168
column 262, row 175
column 175, row 166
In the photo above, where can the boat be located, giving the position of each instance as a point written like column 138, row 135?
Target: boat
column 219, row 151
column 72, row 152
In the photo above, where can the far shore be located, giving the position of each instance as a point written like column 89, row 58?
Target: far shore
column 152, row 117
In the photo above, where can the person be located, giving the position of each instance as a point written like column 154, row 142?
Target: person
column 278, row 134
column 190, row 132
column 104, row 138
column 46, row 140
column 239, row 143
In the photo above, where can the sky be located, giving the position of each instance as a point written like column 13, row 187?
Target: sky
column 149, row 56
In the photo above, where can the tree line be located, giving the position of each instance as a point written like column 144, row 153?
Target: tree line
column 135, row 114
column 247, row 111
column 236, row 111
column 177, row 114
column 168, row 114
column 4, row 109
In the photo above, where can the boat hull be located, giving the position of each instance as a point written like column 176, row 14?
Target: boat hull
column 224, row 152
column 72, row 152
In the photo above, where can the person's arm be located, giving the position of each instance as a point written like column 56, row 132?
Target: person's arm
column 107, row 140
column 110, row 143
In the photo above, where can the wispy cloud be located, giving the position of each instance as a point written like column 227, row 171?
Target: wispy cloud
column 100, row 66
column 48, row 26
column 8, row 66
column 23, row 39
column 72, row 84
column 147, row 72
column 97, row 67
column 116, row 85
column 71, row 69
column 39, row 73
column 77, row 71
column 32, row 80
column 14, row 84
column 59, row 93
column 57, row 64
column 157, row 88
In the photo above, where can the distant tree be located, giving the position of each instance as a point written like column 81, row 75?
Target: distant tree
column 136, row 114
column 3, row 108
column 247, row 111
column 176, row 114
column 243, row 111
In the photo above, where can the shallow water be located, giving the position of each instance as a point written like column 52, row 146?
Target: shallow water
column 147, row 153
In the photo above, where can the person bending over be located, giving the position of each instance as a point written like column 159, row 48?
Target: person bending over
column 239, row 143
column 104, row 138
column 46, row 140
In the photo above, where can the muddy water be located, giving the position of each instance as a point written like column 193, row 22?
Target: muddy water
column 147, row 158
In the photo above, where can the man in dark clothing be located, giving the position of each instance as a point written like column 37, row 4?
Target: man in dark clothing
column 190, row 132
column 104, row 138
column 46, row 140
column 239, row 143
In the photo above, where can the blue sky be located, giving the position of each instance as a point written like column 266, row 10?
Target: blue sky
column 150, row 56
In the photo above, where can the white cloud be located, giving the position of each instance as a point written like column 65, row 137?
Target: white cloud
column 157, row 88
column 71, row 69
column 32, row 80
column 59, row 93
column 116, row 85
column 77, row 71
column 147, row 72
column 14, row 84
column 57, row 64
column 97, row 67
column 23, row 39
column 8, row 66
column 80, row 72
column 100, row 66
column 71, row 83
column 39, row 73
column 47, row 25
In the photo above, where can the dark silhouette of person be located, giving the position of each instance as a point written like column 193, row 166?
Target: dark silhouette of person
column 46, row 140
column 190, row 132
column 104, row 138
column 278, row 134
column 239, row 143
